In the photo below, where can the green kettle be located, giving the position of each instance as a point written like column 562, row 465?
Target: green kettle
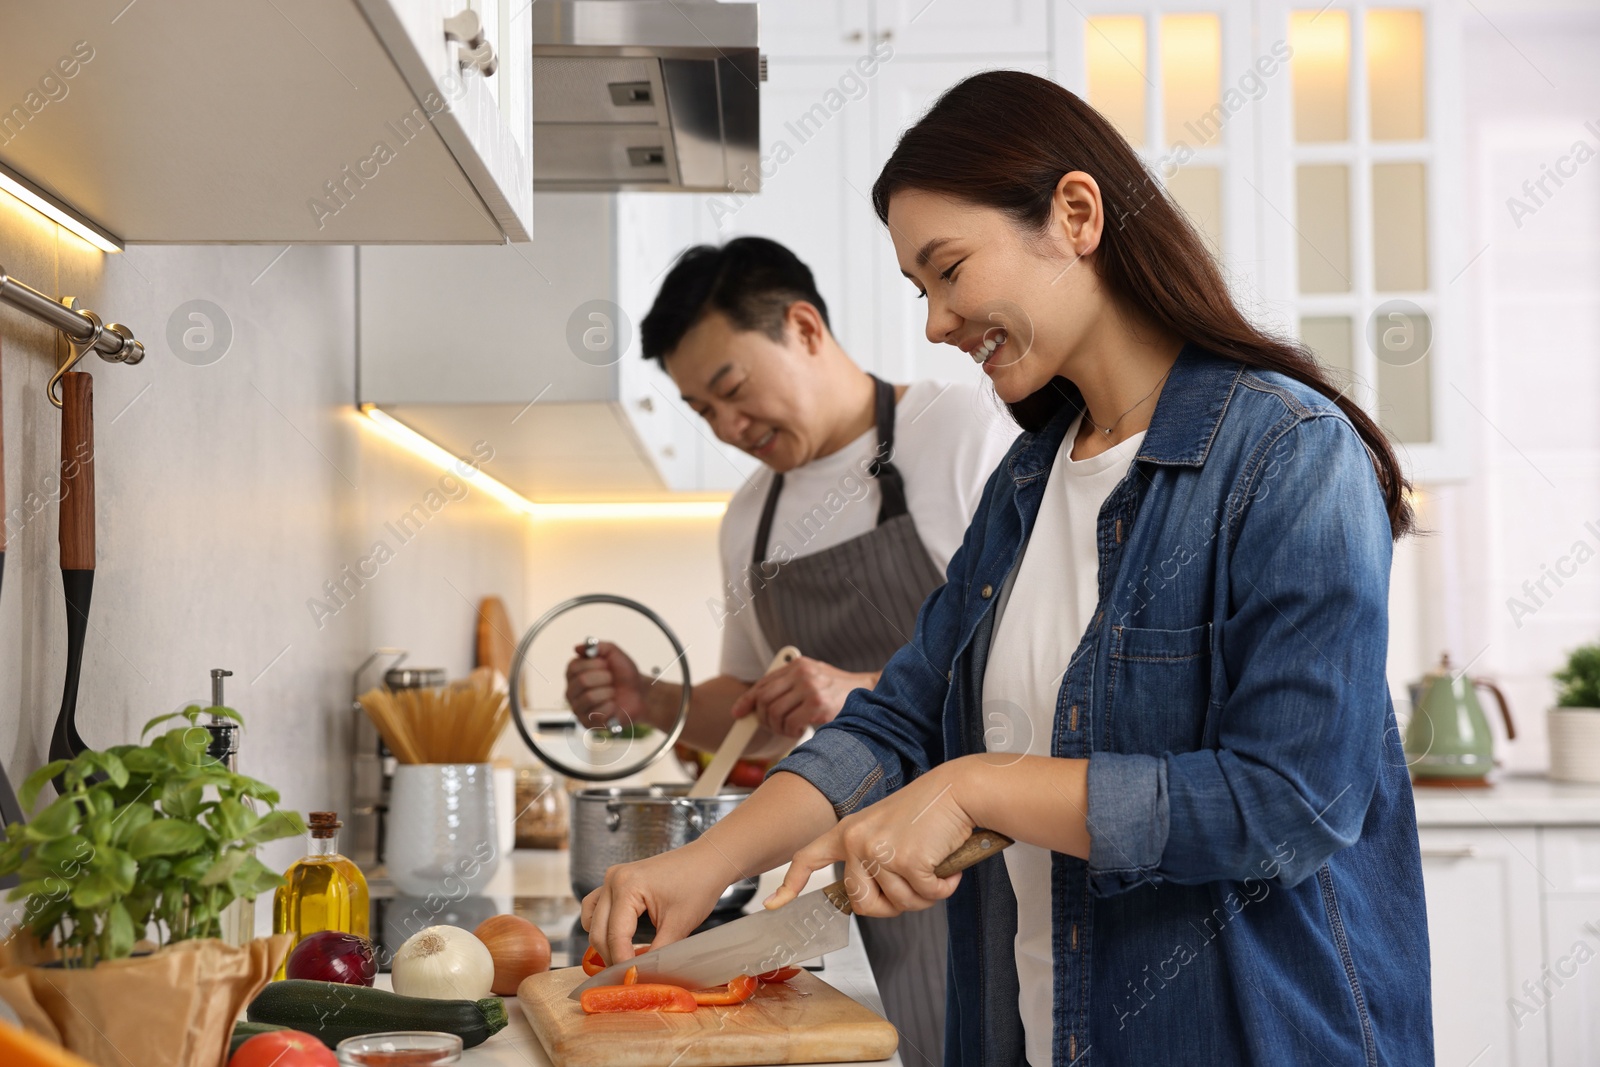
column 1448, row 741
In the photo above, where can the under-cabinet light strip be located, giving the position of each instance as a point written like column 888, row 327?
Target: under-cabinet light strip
column 57, row 211
column 420, row 446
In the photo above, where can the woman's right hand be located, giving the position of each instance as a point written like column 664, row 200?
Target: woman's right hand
column 606, row 688
column 677, row 889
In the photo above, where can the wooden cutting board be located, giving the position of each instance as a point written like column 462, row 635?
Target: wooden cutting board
column 496, row 645
column 803, row 1020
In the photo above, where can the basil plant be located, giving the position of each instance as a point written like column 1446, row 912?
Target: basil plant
column 157, row 834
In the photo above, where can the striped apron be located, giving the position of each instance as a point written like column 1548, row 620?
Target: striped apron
column 853, row 605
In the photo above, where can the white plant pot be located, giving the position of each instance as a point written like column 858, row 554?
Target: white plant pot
column 441, row 833
column 1574, row 744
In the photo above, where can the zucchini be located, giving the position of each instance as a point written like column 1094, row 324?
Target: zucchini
column 332, row 1011
column 243, row 1031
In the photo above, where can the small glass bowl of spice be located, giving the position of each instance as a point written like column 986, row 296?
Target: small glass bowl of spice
column 400, row 1048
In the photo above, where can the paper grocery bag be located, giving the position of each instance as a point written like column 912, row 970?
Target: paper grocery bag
column 173, row 1008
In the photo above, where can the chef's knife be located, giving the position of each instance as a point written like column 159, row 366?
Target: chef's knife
column 811, row 925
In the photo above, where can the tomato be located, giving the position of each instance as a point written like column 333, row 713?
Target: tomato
column 747, row 774
column 283, row 1048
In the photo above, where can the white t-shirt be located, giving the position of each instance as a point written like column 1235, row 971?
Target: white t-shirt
column 1045, row 607
column 947, row 440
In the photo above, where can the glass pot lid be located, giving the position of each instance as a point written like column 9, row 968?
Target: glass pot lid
column 596, row 746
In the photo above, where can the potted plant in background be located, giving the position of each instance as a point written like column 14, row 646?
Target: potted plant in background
column 1575, row 720
column 158, row 837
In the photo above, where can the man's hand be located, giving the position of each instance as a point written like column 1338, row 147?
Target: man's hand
column 606, row 687
column 799, row 695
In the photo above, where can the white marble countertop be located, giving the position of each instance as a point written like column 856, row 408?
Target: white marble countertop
column 542, row 873
column 1512, row 800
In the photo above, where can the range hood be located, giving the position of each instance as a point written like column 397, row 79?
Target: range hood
column 646, row 95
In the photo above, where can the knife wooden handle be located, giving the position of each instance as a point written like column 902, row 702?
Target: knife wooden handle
column 980, row 846
column 77, row 472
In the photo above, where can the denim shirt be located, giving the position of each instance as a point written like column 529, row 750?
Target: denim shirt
column 1253, row 892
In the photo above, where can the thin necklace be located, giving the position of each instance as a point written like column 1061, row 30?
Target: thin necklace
column 1113, row 424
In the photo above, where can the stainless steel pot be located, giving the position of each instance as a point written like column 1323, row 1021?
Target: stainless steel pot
column 620, row 825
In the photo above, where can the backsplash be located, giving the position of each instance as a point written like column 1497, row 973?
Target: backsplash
column 241, row 500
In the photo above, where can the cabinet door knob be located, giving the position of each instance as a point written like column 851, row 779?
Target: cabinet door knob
column 885, row 35
column 854, row 36
column 465, row 27
column 482, row 59
column 647, row 403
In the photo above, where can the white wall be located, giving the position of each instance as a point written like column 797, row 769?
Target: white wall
column 1533, row 367
column 227, row 495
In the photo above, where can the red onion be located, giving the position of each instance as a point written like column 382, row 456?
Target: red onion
column 333, row 956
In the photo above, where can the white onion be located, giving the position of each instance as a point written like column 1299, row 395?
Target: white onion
column 443, row 963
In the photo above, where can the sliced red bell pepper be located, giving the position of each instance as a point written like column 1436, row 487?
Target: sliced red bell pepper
column 630, row 976
column 647, row 996
column 592, row 963
column 737, row 991
column 782, row 974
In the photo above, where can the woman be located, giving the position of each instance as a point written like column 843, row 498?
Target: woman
column 1157, row 661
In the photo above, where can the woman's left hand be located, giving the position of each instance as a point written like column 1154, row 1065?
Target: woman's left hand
column 891, row 848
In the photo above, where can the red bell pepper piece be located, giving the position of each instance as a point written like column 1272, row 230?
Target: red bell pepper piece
column 737, row 991
column 647, row 996
column 630, row 976
column 592, row 963
column 782, row 974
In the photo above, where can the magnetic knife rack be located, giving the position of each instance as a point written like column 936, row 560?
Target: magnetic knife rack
column 84, row 331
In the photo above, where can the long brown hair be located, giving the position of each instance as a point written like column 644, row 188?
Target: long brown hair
column 1004, row 138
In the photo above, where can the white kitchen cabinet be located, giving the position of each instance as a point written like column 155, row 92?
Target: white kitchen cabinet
column 488, row 124
column 1010, row 29
column 533, row 350
column 1485, row 936
column 815, row 28
column 343, row 123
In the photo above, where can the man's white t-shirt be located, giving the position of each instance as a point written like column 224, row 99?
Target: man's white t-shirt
column 1044, row 609
column 947, row 440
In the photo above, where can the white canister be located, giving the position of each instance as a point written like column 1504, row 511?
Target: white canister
column 441, row 830
column 1574, row 744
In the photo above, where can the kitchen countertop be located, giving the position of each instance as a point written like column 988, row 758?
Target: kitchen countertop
column 534, row 873
column 1513, row 800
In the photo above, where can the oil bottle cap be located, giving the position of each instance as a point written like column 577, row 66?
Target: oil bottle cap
column 324, row 823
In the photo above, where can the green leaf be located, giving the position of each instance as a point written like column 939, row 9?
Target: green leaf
column 114, row 768
column 165, row 837
column 57, row 820
column 193, row 868
column 274, row 825
column 127, row 819
column 11, row 856
column 65, row 854
column 248, row 787
column 190, row 713
column 117, row 865
column 35, row 782
column 254, row 878
column 93, row 890
column 181, row 800
column 145, row 761
column 225, row 713
column 224, row 868
column 231, row 819
column 119, row 933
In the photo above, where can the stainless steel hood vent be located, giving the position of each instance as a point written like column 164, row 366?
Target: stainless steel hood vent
column 646, row 95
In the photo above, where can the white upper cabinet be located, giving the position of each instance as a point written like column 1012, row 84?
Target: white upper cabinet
column 1012, row 29
column 815, row 28
column 297, row 121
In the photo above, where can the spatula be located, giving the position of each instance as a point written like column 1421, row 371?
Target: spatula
column 77, row 546
column 712, row 779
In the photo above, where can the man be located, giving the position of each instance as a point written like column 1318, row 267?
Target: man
column 864, row 495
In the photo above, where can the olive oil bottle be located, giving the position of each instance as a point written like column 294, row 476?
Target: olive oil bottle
column 323, row 891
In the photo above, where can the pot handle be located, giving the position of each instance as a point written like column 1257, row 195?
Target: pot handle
column 613, row 815
column 1500, row 698
column 692, row 815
